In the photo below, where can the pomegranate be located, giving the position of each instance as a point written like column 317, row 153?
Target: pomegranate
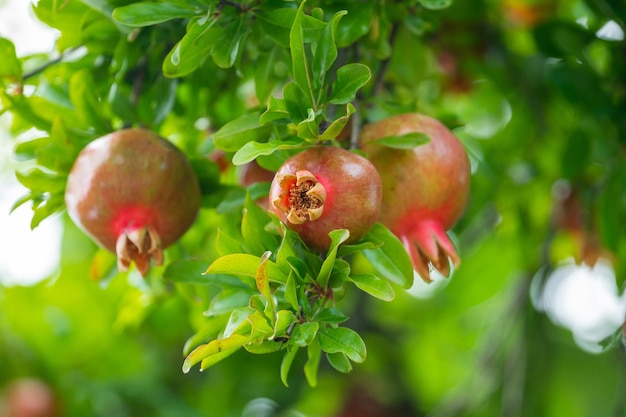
column 425, row 189
column 323, row 189
column 252, row 173
column 134, row 193
column 29, row 397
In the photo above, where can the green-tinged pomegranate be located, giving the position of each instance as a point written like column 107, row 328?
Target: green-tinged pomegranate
column 323, row 189
column 135, row 194
column 425, row 189
column 253, row 173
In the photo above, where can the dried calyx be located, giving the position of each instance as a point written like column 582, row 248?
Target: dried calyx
column 302, row 197
column 139, row 246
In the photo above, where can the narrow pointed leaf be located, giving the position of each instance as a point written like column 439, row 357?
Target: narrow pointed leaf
column 311, row 366
column 342, row 339
column 374, row 286
column 214, row 347
column 286, row 363
column 245, row 265
column 390, row 261
column 149, row 13
column 300, row 65
column 337, row 237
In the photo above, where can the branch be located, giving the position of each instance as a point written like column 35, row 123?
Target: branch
column 48, row 64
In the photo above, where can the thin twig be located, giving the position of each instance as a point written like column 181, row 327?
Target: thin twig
column 48, row 64
column 380, row 76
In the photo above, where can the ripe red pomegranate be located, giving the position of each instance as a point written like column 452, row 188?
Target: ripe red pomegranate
column 326, row 188
column 425, row 189
column 134, row 193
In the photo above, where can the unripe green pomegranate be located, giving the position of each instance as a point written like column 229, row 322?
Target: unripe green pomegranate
column 134, row 193
column 425, row 189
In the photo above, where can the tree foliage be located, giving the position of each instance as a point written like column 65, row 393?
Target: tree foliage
column 536, row 90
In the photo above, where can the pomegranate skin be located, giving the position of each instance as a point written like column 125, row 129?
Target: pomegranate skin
column 134, row 193
column 346, row 185
column 425, row 189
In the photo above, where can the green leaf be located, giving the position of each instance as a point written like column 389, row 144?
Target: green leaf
column 341, row 271
column 278, row 23
column 228, row 300
column 345, row 250
column 227, row 245
column 245, row 265
column 276, row 110
column 291, row 293
column 344, row 340
column 186, row 271
column 149, row 13
column 308, row 128
column 215, row 347
column 350, row 78
column 53, row 204
column 374, row 286
column 238, row 322
column 390, row 261
column 356, row 24
column 286, row 363
column 337, row 237
column 10, row 67
column 296, row 102
column 326, row 51
column 331, row 315
column 300, row 65
column 236, row 133
column 225, row 50
column 339, row 361
column 261, row 328
column 193, row 48
column 86, row 102
column 57, row 152
column 406, row 141
column 252, row 150
column 284, row 319
column 257, row 302
column 303, row 334
column 38, row 180
column 290, row 247
column 335, row 128
column 267, row 346
column 264, row 75
column 217, row 357
column 253, row 222
column 161, row 98
column 314, row 353
column 262, row 279
column 209, row 330
column 435, row 4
